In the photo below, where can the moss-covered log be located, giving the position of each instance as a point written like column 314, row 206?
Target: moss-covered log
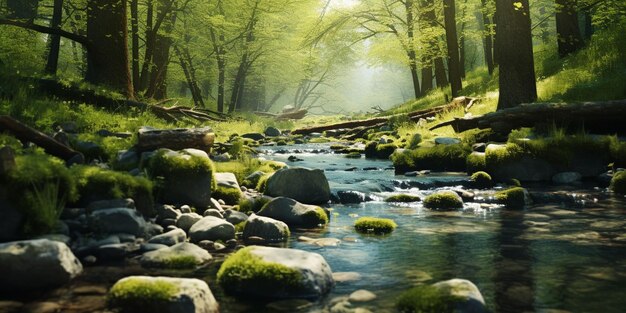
column 175, row 139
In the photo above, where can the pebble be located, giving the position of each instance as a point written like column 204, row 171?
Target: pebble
column 362, row 296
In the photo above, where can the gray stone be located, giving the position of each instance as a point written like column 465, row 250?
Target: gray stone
column 216, row 205
column 192, row 296
column 170, row 238
column 185, row 209
column 162, row 258
column 227, row 180
column 362, row 295
column 211, row 228
column 472, row 302
column 213, row 212
column 269, row 229
column 235, row 217
column 302, row 184
column 36, row 264
column 567, row 178
column 186, row 220
column 167, row 211
column 294, row 213
column 315, row 276
column 110, row 204
column 352, row 197
column 447, row 141
column 119, row 220
column 479, row 147
column 272, row 132
column 253, row 136
column 127, row 159
column 147, row 247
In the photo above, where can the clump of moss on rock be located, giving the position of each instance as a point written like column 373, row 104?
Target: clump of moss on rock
column 375, row 225
column 443, row 200
column 426, row 298
column 618, row 183
column 403, row 198
column 437, row 158
column 140, row 295
column 231, row 196
column 384, row 151
column 481, row 180
column 513, row 198
column 315, row 218
column 262, row 184
column 370, row 149
column 353, row 155
column 476, row 162
column 181, row 262
column 253, row 204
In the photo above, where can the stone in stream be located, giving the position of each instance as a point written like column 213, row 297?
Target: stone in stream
column 295, row 213
column 471, row 300
column 269, row 229
column 170, row 238
column 301, row 184
column 36, row 264
column 303, row 275
column 352, row 197
column 362, row 295
column 186, row 220
column 162, row 294
column 118, row 220
column 211, row 228
column 182, row 255
column 227, row 180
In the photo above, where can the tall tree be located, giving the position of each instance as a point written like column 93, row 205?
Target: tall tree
column 487, row 29
column 54, row 41
column 514, row 50
column 452, row 41
column 568, row 31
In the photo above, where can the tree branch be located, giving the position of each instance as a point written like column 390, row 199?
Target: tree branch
column 47, row 30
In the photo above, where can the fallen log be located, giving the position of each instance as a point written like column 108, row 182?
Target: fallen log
column 176, row 139
column 413, row 116
column 290, row 115
column 607, row 117
column 26, row 133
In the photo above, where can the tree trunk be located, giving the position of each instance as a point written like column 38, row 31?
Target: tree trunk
column 427, row 77
column 54, row 41
column 410, row 21
column 157, row 86
column 588, row 25
column 134, row 20
column 221, row 80
column 568, row 32
column 462, row 56
column 149, row 46
column 107, row 62
column 454, row 66
column 440, row 73
column 514, row 52
column 486, row 28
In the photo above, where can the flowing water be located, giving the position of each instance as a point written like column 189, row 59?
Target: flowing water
column 548, row 257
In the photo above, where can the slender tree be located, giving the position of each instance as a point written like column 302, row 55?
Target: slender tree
column 452, row 41
column 514, row 52
column 54, row 41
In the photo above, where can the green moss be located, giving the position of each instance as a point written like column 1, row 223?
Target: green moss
column 245, row 271
column 262, row 184
column 375, row 225
column 181, row 262
column 231, row 196
column 353, row 155
column 253, row 205
column 481, row 180
column 437, row 158
column 476, row 162
column 320, row 140
column 403, row 198
column 414, row 142
column 426, row 299
column 165, row 164
column 514, row 182
column 513, row 198
column 314, row 218
column 618, row 183
column 384, row 151
column 239, row 227
column 443, row 200
column 140, row 295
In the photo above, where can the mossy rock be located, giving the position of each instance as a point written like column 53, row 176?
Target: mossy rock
column 294, row 213
column 374, row 225
column 253, row 204
column 618, row 183
column 481, row 180
column 271, row 273
column 384, row 151
column 403, row 198
column 437, row 158
column 231, row 196
column 476, row 162
column 370, row 149
column 443, row 200
column 426, row 298
column 515, row 198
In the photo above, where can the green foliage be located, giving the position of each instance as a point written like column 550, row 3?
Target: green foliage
column 403, row 198
column 481, row 180
column 315, row 218
column 426, row 299
column 240, row 227
column 375, row 225
column 244, row 270
column 513, row 198
column 443, row 200
column 95, row 183
column 245, row 165
column 139, row 295
column 45, row 210
column 231, row 196
column 437, row 158
column 618, row 183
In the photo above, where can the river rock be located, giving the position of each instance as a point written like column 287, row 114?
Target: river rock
column 235, row 217
column 269, row 229
column 352, row 197
column 189, row 296
column 115, row 252
column 213, row 212
column 312, row 275
column 254, row 136
column 227, row 180
column 362, row 295
column 163, row 258
column 302, row 184
column 525, row 169
column 167, row 212
column 294, row 213
column 567, row 178
column 186, row 220
column 120, row 220
column 272, row 132
column 170, row 238
column 472, row 302
column 110, row 204
column 36, row 264
column 211, row 228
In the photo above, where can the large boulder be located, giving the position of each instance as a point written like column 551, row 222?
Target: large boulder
column 187, row 176
column 211, row 228
column 269, row 229
column 266, row 272
column 162, row 294
column 119, row 220
column 36, row 264
column 170, row 238
column 302, row 184
column 455, row 295
column 182, row 255
column 295, row 213
column 470, row 300
column 524, row 168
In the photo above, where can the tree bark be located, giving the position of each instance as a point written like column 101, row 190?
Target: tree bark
column 134, row 20
column 454, row 66
column 157, row 87
column 54, row 41
column 484, row 25
column 107, row 63
column 427, row 77
column 411, row 53
column 514, row 52
column 569, row 38
column 440, row 73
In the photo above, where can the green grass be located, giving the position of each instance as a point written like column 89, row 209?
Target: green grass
column 426, row 299
column 403, row 198
column 513, row 198
column 618, row 183
column 375, row 225
column 245, row 271
column 139, row 295
column 443, row 200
